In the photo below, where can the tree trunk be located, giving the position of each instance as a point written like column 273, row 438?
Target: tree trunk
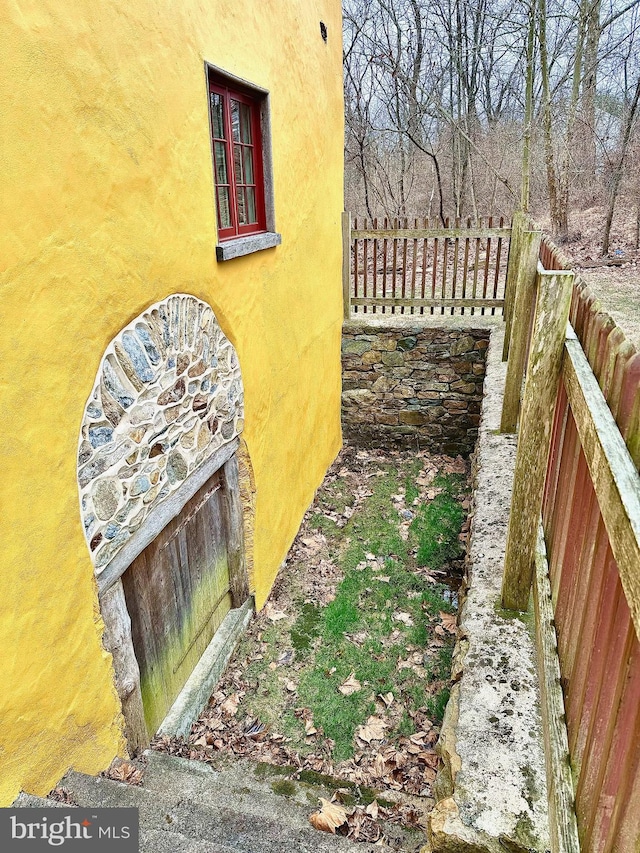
column 528, row 113
column 589, row 84
column 617, row 173
column 559, row 226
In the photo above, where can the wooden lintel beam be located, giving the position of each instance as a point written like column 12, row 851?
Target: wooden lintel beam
column 615, row 478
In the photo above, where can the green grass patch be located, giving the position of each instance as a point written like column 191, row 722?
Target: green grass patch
column 325, row 525
column 379, row 624
column 437, row 525
column 306, row 627
column 387, row 603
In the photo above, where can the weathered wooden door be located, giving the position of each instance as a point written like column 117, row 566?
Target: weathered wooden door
column 180, row 588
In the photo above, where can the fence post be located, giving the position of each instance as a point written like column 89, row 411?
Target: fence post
column 518, row 224
column 541, row 388
column 523, row 301
column 346, row 265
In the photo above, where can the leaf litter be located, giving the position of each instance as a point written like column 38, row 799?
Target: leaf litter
column 345, row 671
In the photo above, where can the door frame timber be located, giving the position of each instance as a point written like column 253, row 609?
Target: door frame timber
column 117, row 637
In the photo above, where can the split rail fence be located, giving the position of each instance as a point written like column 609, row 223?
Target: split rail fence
column 577, row 465
column 408, row 266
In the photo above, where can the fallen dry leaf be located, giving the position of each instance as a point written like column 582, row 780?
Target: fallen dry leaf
column 359, row 638
column 448, row 621
column 372, row 810
column 373, row 729
column 230, row 705
column 273, row 613
column 125, row 772
column 405, row 618
column 329, row 818
column 350, row 686
column 309, row 728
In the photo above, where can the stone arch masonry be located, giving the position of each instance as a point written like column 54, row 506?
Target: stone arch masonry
column 413, row 385
column 167, row 396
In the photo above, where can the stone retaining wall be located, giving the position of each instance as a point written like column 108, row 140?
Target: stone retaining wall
column 407, row 385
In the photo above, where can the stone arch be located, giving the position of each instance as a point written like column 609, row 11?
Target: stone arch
column 168, row 394
column 165, row 413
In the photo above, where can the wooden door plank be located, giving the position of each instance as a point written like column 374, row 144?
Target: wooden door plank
column 177, row 594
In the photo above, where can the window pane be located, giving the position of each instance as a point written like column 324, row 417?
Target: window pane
column 216, row 115
column 237, row 164
column 248, row 165
column 245, row 122
column 251, row 204
column 242, row 210
column 224, row 214
column 221, row 163
column 235, row 120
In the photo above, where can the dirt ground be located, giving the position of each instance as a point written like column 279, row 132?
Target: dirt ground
column 615, row 280
column 346, row 670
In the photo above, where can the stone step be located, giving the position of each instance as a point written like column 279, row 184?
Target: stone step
column 244, row 785
column 211, row 807
column 156, row 840
column 252, row 787
column 167, row 841
column 238, row 806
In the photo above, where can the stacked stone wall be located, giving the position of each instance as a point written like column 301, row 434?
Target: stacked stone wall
column 411, row 386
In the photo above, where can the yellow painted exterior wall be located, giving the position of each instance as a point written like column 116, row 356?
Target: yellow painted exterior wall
column 106, row 206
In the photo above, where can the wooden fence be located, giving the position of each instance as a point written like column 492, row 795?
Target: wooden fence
column 401, row 265
column 590, row 509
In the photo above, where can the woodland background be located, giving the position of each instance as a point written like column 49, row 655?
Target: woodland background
column 471, row 108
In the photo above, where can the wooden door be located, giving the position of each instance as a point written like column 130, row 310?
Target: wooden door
column 179, row 589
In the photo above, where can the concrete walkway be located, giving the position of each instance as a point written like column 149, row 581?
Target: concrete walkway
column 493, row 793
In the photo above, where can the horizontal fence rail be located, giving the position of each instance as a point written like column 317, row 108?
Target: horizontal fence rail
column 405, row 266
column 591, row 522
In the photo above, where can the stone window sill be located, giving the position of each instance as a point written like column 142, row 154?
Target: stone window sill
column 240, row 246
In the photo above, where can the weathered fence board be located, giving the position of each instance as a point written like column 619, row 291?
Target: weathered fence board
column 404, row 266
column 612, row 470
column 534, row 438
column 591, row 516
column 563, row 827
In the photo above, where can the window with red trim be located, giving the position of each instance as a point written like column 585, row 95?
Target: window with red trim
column 237, row 160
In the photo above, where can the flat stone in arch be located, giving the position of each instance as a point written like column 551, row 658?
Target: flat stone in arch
column 167, row 395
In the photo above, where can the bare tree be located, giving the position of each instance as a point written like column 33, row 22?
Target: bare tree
column 438, row 106
column 619, row 166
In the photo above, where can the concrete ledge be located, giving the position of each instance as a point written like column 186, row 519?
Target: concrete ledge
column 246, row 245
column 196, row 693
column 492, row 793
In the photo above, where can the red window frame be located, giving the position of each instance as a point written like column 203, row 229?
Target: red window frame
column 242, row 184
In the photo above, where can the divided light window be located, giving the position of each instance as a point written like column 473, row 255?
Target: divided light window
column 237, row 161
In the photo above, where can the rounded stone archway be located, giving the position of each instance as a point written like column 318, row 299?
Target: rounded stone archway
column 167, row 395
column 162, row 422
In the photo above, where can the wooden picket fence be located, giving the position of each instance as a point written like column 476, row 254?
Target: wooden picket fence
column 402, row 265
column 592, row 525
column 590, row 541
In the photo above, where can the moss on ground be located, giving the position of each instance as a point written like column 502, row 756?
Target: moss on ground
column 380, row 629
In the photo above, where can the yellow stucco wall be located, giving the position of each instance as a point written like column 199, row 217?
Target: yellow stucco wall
column 106, row 206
